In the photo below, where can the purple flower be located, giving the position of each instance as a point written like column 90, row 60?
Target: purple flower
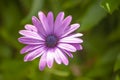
column 52, row 40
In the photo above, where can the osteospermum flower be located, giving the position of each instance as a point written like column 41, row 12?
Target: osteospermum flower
column 51, row 40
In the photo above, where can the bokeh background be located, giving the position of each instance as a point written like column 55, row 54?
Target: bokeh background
column 100, row 24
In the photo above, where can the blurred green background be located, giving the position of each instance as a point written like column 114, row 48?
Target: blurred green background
column 100, row 24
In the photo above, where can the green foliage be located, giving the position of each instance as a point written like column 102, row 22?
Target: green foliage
column 100, row 24
column 36, row 6
column 92, row 16
column 117, row 64
column 117, row 77
column 110, row 5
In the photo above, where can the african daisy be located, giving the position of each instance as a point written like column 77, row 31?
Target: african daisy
column 52, row 40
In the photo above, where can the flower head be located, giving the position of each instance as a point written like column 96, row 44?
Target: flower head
column 52, row 40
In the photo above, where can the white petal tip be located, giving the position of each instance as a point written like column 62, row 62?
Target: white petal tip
column 66, row 64
column 49, row 66
column 78, row 24
column 25, row 60
column 81, row 34
column 58, row 62
column 40, row 13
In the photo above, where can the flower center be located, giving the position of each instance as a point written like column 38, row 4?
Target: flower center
column 51, row 41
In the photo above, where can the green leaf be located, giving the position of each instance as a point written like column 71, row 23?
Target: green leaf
column 55, row 5
column 58, row 72
column 71, row 3
column 26, row 4
column 36, row 6
column 110, row 5
column 115, row 35
column 104, row 65
column 9, row 39
column 117, row 77
column 117, row 64
column 11, row 16
column 14, row 69
column 5, row 51
column 83, row 78
column 92, row 17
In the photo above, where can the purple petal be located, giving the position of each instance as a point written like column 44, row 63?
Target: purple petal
column 66, row 22
column 72, row 28
column 59, row 19
column 62, row 56
column 31, row 34
column 68, row 53
column 29, row 48
column 67, row 47
column 57, row 57
column 50, row 58
column 26, row 40
column 63, row 26
column 30, row 27
column 34, row 54
column 50, row 18
column 44, row 22
column 39, row 26
column 77, row 46
column 70, row 40
column 58, row 22
column 42, row 62
column 75, row 35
